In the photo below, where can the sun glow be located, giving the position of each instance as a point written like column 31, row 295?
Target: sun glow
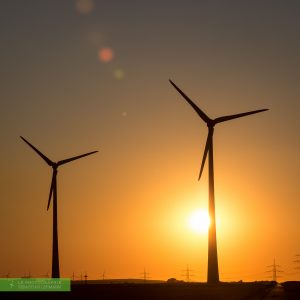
column 198, row 221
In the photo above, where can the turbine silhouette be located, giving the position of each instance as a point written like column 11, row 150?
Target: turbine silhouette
column 212, row 266
column 53, row 191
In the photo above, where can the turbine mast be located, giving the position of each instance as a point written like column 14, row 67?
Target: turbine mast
column 55, row 255
column 213, row 269
column 212, row 266
column 53, row 193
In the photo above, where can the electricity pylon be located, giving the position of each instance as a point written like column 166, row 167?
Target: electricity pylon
column 297, row 261
column 274, row 270
column 103, row 275
column 187, row 273
column 145, row 275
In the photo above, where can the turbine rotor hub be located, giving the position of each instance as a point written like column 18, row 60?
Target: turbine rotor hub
column 211, row 124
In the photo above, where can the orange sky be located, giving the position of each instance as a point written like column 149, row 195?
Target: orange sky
column 127, row 207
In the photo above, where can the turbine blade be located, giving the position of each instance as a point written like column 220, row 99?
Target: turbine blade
column 44, row 157
column 64, row 161
column 51, row 188
column 207, row 146
column 230, row 117
column 201, row 114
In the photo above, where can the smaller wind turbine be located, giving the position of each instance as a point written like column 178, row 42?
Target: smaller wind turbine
column 53, row 191
column 85, row 277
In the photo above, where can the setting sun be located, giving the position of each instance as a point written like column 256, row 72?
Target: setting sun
column 198, row 221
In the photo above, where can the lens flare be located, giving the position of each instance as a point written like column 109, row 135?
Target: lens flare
column 106, row 54
column 84, row 6
column 119, row 74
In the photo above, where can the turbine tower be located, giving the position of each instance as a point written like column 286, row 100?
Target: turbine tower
column 53, row 192
column 212, row 266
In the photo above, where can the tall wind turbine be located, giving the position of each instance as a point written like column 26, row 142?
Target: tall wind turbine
column 53, row 191
column 212, row 266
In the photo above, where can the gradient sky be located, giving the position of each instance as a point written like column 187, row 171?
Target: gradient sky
column 126, row 207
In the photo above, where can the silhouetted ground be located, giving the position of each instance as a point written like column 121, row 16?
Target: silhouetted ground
column 291, row 289
column 154, row 291
column 276, row 293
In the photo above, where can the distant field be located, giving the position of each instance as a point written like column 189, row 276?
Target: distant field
column 156, row 291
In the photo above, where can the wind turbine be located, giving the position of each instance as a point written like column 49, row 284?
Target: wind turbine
column 53, row 191
column 212, row 266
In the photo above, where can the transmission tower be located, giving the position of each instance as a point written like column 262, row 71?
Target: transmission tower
column 187, row 273
column 27, row 276
column 7, row 275
column 45, row 275
column 297, row 261
column 103, row 275
column 274, row 270
column 145, row 275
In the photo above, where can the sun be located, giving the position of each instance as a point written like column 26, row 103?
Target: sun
column 198, row 221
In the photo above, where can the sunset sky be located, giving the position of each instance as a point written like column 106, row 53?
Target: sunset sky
column 79, row 76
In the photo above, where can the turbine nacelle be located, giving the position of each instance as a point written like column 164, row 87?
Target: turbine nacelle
column 211, row 122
